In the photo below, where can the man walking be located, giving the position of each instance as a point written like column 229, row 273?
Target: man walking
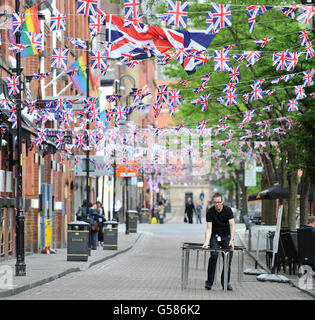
column 220, row 232
column 189, row 210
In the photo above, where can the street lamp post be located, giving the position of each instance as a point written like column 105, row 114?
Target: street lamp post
column 117, row 90
column 20, row 266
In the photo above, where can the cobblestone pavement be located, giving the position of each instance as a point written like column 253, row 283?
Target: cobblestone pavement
column 151, row 270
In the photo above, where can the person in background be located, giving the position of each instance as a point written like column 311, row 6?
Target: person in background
column 311, row 224
column 81, row 213
column 189, row 210
column 220, row 232
column 101, row 220
column 161, row 211
column 117, row 207
column 199, row 208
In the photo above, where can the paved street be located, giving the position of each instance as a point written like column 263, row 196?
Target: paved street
column 151, row 270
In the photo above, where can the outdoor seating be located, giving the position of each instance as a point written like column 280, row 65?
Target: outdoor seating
column 289, row 250
column 306, row 246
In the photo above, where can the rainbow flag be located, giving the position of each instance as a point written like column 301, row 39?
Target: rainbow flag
column 30, row 24
column 79, row 78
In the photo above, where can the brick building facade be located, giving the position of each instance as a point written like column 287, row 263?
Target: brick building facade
column 49, row 187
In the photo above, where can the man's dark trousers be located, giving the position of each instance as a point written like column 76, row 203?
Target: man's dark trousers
column 215, row 244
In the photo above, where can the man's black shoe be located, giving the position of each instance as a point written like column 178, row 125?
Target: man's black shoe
column 207, row 286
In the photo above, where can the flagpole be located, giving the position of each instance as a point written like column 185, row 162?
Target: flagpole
column 20, row 266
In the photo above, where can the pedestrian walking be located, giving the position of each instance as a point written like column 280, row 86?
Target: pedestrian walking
column 117, row 207
column 220, row 232
column 94, row 224
column 189, row 210
column 81, row 212
column 100, row 211
column 199, row 208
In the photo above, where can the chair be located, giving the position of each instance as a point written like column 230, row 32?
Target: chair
column 306, row 246
column 289, row 250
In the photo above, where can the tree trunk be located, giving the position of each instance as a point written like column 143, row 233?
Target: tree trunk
column 305, row 186
column 237, row 191
column 268, row 206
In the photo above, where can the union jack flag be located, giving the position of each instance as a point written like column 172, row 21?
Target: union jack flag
column 262, row 42
column 94, row 115
column 252, row 57
column 87, row 7
column 183, row 82
column 41, row 136
column 300, row 92
column 293, row 105
column 303, row 35
column 229, row 87
column 162, row 94
column 195, row 101
column 292, row 60
column 204, row 101
column 253, row 11
column 308, row 78
column 113, row 98
column 289, row 11
column 59, row 140
column 98, row 59
column 16, row 47
column 234, row 74
column 306, row 13
column 289, row 123
column 59, row 58
column 13, row 85
column 57, row 22
column 164, row 59
column 157, row 109
column 17, row 21
column 95, row 24
column 131, row 11
column 246, row 97
column 198, row 90
column 200, row 59
column 40, row 76
column 223, row 119
column 220, row 100
column 14, row 120
column 202, row 124
column 174, row 97
column 77, row 42
column 209, row 24
column 59, row 105
column 171, row 109
column 66, row 117
column 221, row 60
column 248, row 116
column 79, row 140
column 269, row 92
column 36, row 39
column 231, row 97
column 268, row 108
column 256, row 92
column 221, row 15
column 238, row 57
column 309, row 50
column 120, row 113
column 177, row 13
column 280, row 60
column 205, row 79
